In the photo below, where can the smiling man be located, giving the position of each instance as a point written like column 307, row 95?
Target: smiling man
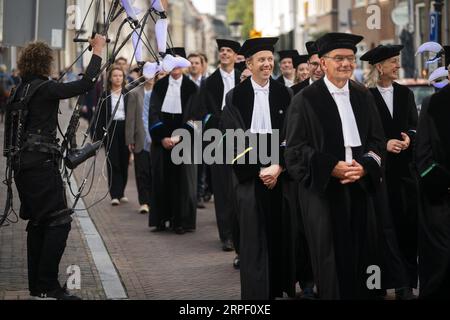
column 334, row 148
column 287, row 69
column 259, row 105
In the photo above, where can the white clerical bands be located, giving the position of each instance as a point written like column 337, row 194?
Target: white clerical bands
column 374, row 156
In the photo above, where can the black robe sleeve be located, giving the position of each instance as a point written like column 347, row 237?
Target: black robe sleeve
column 434, row 176
column 58, row 90
column 304, row 162
column 375, row 149
column 156, row 127
column 412, row 118
column 231, row 119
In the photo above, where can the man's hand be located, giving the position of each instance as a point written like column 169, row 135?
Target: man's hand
column 131, row 147
column 175, row 140
column 269, row 176
column 97, row 44
column 167, row 143
column 406, row 141
column 354, row 173
column 396, row 146
column 348, row 173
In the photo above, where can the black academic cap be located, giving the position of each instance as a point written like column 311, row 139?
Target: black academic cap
column 287, row 54
column 311, row 48
column 447, row 56
column 337, row 40
column 298, row 60
column 381, row 53
column 252, row 46
column 177, row 51
column 233, row 45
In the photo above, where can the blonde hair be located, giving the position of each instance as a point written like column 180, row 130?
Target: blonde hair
column 372, row 77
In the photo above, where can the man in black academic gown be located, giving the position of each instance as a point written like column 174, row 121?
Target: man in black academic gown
column 315, row 72
column 175, row 186
column 212, row 96
column 432, row 157
column 334, row 148
column 288, row 72
column 398, row 112
column 258, row 106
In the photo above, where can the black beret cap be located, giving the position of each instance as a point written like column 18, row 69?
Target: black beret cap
column 381, row 53
column 298, row 60
column 177, row 51
column 311, row 48
column 252, row 46
column 233, row 45
column 287, row 54
column 337, row 40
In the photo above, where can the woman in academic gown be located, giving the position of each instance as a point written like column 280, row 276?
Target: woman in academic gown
column 259, row 105
column 432, row 156
column 174, row 197
column 398, row 113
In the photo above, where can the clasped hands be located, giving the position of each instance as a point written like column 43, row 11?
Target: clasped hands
column 348, row 173
column 269, row 176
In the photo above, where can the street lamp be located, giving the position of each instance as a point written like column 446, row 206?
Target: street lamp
column 236, row 29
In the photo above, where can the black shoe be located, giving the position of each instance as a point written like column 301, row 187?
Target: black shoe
column 200, row 204
column 308, row 294
column 58, row 294
column 180, row 230
column 227, row 246
column 207, row 197
column 404, row 294
column 236, row 262
column 159, row 229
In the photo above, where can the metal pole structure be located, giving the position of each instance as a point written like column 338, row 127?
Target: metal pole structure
column 36, row 23
column 438, row 4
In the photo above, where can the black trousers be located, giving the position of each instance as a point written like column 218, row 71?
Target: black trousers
column 142, row 169
column 45, row 247
column 118, row 159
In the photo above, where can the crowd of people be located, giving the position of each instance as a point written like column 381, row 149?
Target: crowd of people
column 361, row 180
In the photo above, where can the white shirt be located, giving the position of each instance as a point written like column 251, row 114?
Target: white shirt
column 228, row 83
column 388, row 97
column 349, row 127
column 288, row 83
column 120, row 113
column 261, row 121
column 198, row 82
column 172, row 100
column 311, row 81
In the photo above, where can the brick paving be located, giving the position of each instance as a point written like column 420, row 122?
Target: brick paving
column 151, row 265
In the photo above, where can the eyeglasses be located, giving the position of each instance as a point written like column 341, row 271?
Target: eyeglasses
column 340, row 59
column 315, row 64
